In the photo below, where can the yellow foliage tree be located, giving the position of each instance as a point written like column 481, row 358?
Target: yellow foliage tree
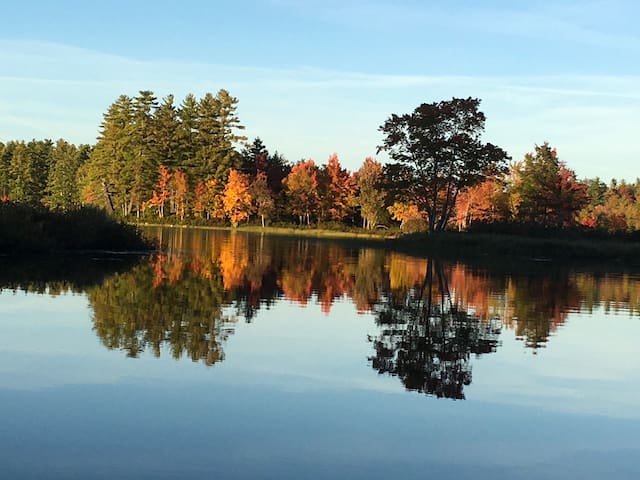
column 237, row 198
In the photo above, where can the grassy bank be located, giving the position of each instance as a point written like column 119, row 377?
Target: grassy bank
column 34, row 229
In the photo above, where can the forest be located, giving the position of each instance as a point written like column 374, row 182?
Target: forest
column 157, row 161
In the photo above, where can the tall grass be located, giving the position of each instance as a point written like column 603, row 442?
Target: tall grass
column 35, row 229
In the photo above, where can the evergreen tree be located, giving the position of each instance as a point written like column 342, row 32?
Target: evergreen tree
column 19, row 173
column 208, row 154
column 6, row 152
column 143, row 166
column 107, row 177
column 218, row 123
column 28, row 170
column 167, row 134
column 255, row 158
column 187, row 134
column 62, row 186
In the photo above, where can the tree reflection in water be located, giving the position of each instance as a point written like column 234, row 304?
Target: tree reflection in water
column 186, row 301
column 426, row 339
column 175, row 303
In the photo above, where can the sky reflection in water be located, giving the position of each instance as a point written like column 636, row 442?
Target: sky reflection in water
column 303, row 356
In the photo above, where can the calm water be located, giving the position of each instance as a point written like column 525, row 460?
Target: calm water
column 246, row 356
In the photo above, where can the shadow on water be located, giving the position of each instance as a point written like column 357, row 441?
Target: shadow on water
column 433, row 317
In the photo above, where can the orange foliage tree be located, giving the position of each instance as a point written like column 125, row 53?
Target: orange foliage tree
column 405, row 213
column 237, row 198
column 207, row 200
column 161, row 194
column 485, row 202
column 302, row 190
column 180, row 193
column 337, row 191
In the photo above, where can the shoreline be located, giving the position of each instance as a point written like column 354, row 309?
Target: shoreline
column 462, row 245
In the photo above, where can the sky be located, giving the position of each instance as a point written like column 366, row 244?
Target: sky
column 316, row 77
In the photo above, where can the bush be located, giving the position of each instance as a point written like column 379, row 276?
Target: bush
column 26, row 228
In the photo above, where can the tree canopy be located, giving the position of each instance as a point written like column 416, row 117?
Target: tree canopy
column 159, row 160
column 437, row 152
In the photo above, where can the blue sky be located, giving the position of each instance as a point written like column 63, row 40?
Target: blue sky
column 317, row 77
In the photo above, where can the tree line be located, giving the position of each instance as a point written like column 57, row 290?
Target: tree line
column 189, row 162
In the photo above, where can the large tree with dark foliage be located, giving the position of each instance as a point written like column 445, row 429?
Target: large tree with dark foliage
column 437, row 152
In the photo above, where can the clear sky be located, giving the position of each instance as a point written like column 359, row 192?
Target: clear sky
column 316, row 77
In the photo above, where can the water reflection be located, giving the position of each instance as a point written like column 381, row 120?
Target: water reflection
column 433, row 317
column 58, row 274
column 176, row 302
column 427, row 338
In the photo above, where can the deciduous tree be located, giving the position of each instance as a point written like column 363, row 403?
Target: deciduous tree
column 336, row 191
column 302, row 190
column 237, row 198
column 262, row 196
column 438, row 152
column 370, row 193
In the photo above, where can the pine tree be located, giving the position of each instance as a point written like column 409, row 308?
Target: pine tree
column 107, row 178
column 188, row 116
column 6, row 152
column 144, row 163
column 217, row 125
column 62, row 186
column 167, row 134
column 28, row 171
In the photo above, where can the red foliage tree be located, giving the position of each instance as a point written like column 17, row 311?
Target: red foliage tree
column 302, row 190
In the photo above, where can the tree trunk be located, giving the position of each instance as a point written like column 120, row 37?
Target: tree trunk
column 107, row 196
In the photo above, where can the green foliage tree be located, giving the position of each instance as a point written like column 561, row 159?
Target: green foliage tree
column 371, row 196
column 6, row 152
column 167, row 134
column 143, row 164
column 187, row 133
column 217, row 126
column 438, row 152
column 28, row 170
column 548, row 192
column 108, row 176
column 62, row 185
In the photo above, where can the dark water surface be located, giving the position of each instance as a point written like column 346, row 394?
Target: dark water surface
column 245, row 356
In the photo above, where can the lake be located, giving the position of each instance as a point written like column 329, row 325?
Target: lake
column 234, row 355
